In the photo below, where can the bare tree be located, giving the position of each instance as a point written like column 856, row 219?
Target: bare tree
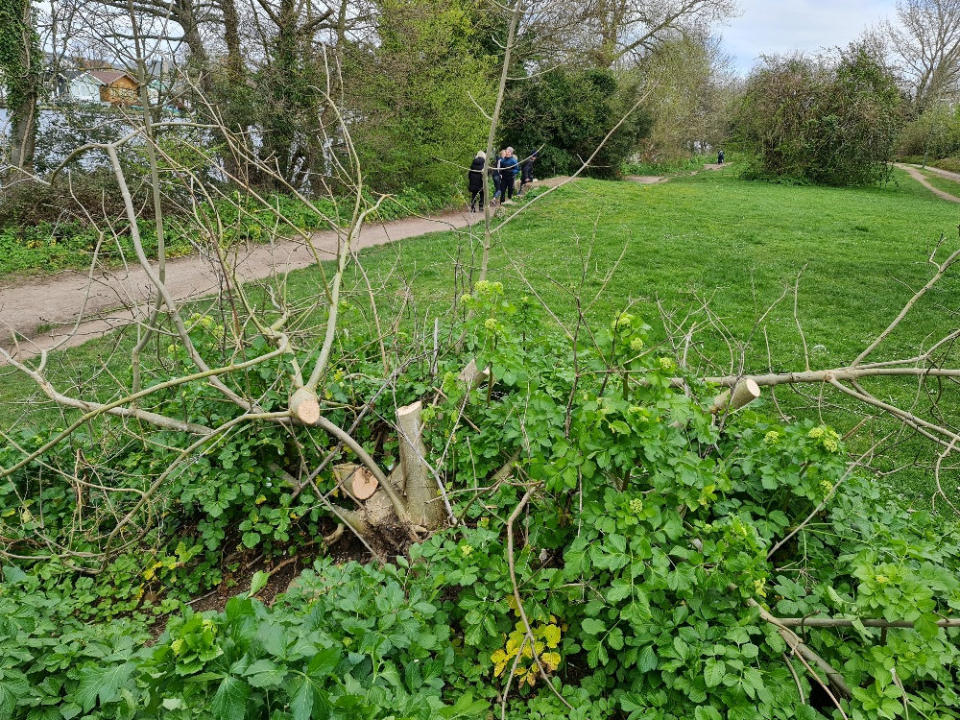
column 926, row 39
column 634, row 27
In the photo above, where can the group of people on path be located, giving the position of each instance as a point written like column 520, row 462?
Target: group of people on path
column 503, row 174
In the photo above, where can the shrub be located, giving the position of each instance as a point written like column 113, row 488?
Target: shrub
column 566, row 114
column 834, row 124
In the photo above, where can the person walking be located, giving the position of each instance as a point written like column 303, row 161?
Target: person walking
column 526, row 171
column 508, row 175
column 720, row 157
column 495, row 176
column 475, row 180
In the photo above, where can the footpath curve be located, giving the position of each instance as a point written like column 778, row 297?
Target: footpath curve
column 918, row 176
column 45, row 310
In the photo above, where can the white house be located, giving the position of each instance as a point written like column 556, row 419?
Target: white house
column 84, row 87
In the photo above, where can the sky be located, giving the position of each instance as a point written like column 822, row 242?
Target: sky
column 782, row 26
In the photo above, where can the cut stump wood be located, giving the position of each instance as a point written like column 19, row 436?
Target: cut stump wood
column 423, row 494
column 744, row 393
column 305, row 407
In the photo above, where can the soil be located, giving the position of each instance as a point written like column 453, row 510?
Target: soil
column 68, row 309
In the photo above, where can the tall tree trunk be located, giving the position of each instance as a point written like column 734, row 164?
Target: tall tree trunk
column 231, row 37
column 20, row 61
column 23, row 125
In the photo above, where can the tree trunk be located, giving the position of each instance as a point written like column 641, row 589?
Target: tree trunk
column 231, row 37
column 23, row 135
column 20, row 62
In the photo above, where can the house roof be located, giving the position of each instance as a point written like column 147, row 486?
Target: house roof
column 109, row 77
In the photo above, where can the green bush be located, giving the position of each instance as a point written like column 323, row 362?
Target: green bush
column 565, row 114
column 833, row 124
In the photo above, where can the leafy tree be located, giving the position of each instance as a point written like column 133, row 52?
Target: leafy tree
column 933, row 135
column 834, row 124
column 418, row 93
column 567, row 114
column 688, row 99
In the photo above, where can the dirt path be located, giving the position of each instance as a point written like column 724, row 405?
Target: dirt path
column 944, row 173
column 46, row 310
column 646, row 179
column 918, row 176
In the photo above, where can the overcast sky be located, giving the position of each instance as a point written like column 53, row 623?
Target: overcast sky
column 782, row 26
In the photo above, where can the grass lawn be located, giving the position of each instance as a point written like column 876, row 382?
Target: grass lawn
column 711, row 235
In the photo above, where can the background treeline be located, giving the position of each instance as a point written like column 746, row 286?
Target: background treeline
column 416, row 82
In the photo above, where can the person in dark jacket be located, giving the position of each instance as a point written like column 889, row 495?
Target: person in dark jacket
column 720, row 157
column 508, row 174
column 526, row 171
column 475, row 180
column 495, row 175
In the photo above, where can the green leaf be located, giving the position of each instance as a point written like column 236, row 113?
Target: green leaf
column 230, row 700
column 264, row 673
column 301, row 703
column 592, row 626
column 648, row 660
column 101, row 682
column 707, row 712
column 260, row 578
column 250, row 539
column 324, row 662
column 714, row 671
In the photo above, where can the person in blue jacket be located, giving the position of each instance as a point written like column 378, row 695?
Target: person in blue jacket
column 508, row 174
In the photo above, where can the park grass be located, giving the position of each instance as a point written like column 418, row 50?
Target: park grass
column 713, row 235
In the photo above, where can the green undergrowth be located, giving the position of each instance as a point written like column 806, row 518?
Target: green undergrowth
column 71, row 244
column 646, row 533
column 670, row 167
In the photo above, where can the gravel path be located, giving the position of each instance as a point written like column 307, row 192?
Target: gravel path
column 46, row 310
column 918, row 176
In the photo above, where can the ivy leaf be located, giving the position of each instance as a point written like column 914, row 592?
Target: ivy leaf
column 230, row 700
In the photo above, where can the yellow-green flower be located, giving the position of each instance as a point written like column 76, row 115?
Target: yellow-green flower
column 760, row 587
column 772, row 437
